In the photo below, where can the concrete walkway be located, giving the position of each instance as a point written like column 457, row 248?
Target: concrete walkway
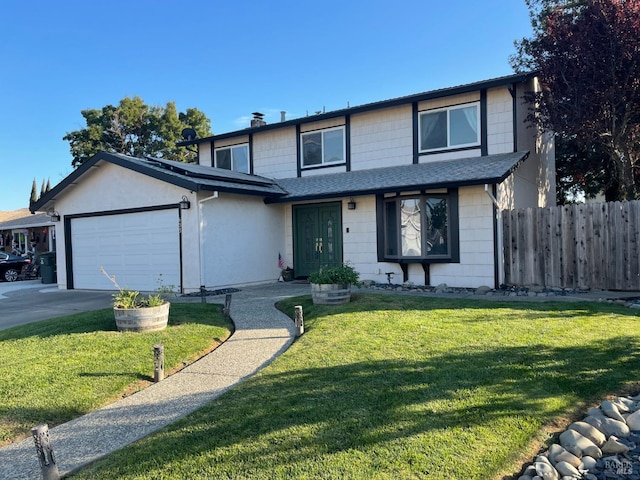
column 262, row 333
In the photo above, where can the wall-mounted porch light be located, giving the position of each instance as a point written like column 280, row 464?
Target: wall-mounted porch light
column 185, row 204
column 351, row 205
column 54, row 216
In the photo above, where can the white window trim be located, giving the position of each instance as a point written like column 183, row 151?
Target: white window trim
column 322, row 132
column 448, row 110
column 231, row 147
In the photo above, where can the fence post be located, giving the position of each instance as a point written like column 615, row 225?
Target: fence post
column 158, row 362
column 299, row 320
column 48, row 465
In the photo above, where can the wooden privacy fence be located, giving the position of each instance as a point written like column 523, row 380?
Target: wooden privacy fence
column 593, row 246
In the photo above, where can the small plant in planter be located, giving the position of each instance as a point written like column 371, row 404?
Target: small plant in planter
column 134, row 313
column 332, row 285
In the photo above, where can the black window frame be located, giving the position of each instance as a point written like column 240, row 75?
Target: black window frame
column 387, row 234
column 321, row 147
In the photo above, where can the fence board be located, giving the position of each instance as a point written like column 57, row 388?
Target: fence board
column 594, row 246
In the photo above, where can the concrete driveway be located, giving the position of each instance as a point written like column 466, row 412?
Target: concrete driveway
column 29, row 301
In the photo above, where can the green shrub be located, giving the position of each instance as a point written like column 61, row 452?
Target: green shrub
column 341, row 274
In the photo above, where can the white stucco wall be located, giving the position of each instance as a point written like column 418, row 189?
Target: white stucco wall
column 241, row 239
column 109, row 187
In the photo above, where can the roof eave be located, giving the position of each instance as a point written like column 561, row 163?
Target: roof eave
column 419, row 97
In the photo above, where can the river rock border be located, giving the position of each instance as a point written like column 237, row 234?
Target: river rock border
column 504, row 291
column 605, row 445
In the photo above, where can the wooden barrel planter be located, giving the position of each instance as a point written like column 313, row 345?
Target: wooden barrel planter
column 330, row 293
column 146, row 319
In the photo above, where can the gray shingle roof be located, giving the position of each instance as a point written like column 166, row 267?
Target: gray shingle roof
column 450, row 173
column 447, row 173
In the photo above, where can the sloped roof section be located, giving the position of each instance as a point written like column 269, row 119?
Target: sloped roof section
column 189, row 176
column 28, row 221
column 447, row 173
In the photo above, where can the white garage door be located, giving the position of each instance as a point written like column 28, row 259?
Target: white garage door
column 140, row 249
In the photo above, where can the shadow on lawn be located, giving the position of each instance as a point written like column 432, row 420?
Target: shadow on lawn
column 310, row 412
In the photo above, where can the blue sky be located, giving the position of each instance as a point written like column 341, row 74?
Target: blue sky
column 228, row 59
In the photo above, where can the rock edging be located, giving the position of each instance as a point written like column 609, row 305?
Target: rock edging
column 605, row 445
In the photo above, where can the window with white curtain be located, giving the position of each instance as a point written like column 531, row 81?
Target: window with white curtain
column 323, row 147
column 452, row 127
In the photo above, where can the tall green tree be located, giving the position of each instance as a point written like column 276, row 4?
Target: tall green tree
column 587, row 55
column 33, row 198
column 137, row 129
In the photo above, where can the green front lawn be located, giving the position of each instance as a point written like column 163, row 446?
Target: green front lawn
column 58, row 369
column 395, row 387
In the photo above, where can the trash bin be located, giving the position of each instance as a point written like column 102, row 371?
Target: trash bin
column 48, row 267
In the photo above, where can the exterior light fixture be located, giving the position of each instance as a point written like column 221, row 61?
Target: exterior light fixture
column 351, row 205
column 54, row 216
column 184, row 204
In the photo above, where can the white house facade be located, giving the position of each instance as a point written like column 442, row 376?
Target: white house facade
column 412, row 186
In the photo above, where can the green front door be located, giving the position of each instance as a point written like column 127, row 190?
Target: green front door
column 317, row 237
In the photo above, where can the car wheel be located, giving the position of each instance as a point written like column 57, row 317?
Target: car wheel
column 11, row 275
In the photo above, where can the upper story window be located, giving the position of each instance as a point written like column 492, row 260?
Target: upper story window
column 452, row 127
column 234, row 158
column 323, row 147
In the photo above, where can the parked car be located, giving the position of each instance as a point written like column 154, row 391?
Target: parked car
column 11, row 266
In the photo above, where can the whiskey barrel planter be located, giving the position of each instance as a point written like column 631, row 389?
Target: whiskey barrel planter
column 145, row 319
column 330, row 293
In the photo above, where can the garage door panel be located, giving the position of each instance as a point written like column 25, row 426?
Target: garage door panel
column 138, row 248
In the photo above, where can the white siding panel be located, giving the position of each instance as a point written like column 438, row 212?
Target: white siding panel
column 274, row 153
column 204, row 154
column 382, row 138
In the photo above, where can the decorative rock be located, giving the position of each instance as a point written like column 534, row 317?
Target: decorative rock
column 611, row 411
column 546, row 471
column 633, row 421
column 578, row 444
column 543, row 459
column 596, row 412
column 567, row 470
column 588, row 463
column 483, row 290
column 615, row 427
column 589, row 431
column 569, row 458
column 614, row 446
column 525, row 477
column 625, row 404
column 554, row 451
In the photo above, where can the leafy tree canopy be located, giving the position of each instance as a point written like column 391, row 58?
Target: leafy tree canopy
column 136, row 129
column 587, row 54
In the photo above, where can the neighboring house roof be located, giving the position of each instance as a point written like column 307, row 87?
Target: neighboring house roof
column 30, row 221
column 446, row 173
column 419, row 97
column 186, row 175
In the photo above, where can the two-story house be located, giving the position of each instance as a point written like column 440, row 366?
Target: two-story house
column 412, row 185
